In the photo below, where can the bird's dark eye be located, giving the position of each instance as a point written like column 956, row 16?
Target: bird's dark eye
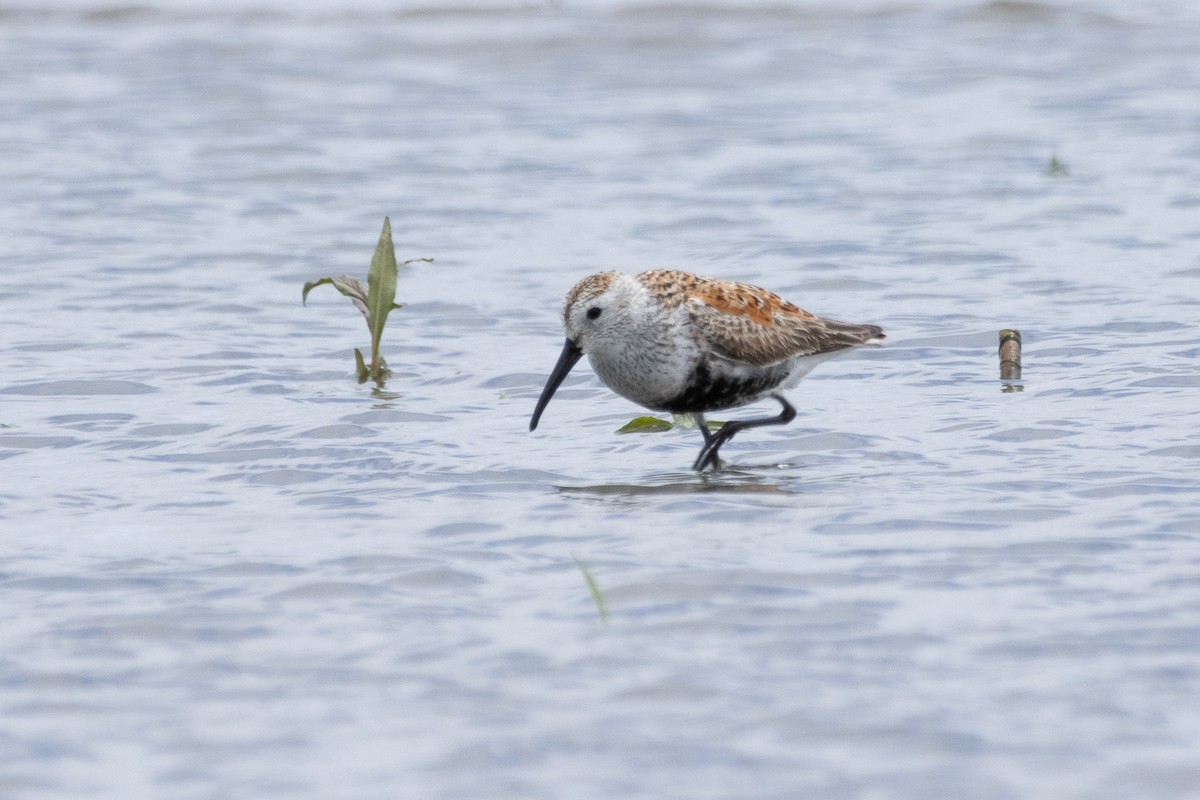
column 593, row 312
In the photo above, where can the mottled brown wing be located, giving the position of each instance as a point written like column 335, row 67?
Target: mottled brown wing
column 746, row 323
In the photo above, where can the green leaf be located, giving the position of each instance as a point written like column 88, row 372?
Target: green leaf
column 688, row 423
column 656, row 425
column 350, row 287
column 381, row 289
column 594, row 588
column 308, row 287
column 645, row 425
column 361, row 366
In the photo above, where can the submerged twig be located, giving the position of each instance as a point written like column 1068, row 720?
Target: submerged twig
column 1010, row 358
column 1010, row 355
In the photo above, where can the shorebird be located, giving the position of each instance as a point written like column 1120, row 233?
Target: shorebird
column 673, row 341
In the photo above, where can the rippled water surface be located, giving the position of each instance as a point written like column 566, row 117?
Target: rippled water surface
column 227, row 569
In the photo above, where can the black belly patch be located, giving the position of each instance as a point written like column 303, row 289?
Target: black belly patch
column 705, row 392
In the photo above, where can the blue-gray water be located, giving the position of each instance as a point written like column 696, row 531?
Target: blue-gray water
column 229, row 570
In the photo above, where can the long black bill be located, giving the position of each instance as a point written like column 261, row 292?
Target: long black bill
column 569, row 358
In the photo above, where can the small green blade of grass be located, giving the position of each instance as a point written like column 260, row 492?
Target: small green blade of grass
column 594, row 588
column 1057, row 167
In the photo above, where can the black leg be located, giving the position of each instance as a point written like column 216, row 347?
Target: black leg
column 707, row 433
column 712, row 443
